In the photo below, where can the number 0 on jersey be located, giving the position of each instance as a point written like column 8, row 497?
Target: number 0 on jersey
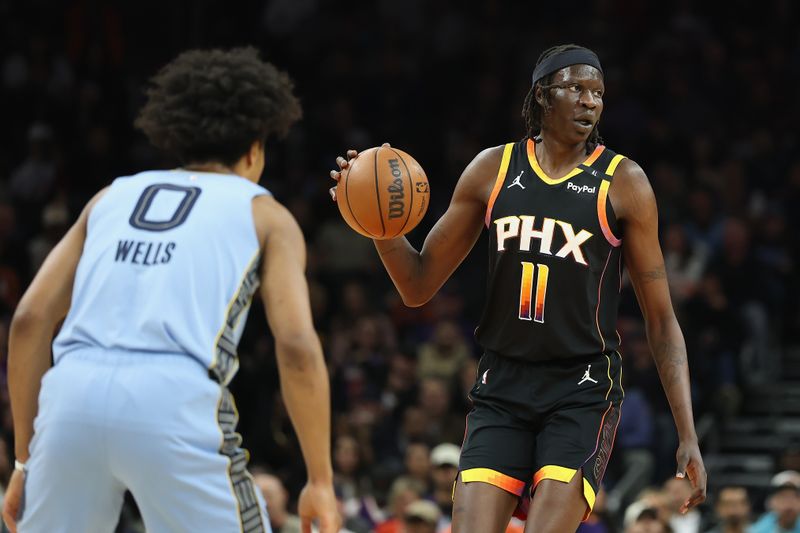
column 526, row 292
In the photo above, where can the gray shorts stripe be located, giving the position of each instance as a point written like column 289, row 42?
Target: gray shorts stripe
column 241, row 482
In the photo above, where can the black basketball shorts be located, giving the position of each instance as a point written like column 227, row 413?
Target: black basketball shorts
column 542, row 420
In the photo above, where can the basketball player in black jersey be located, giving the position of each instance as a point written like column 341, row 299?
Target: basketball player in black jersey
column 563, row 212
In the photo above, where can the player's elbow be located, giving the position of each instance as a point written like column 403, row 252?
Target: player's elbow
column 28, row 318
column 298, row 351
column 415, row 297
column 415, row 300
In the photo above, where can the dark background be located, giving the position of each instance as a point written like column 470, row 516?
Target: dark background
column 703, row 96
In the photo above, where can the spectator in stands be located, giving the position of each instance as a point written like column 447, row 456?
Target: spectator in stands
column 783, row 506
column 648, row 522
column 633, row 465
column 732, row 509
column 652, row 498
column 421, row 516
column 351, row 482
column 678, row 491
column 418, row 465
column 444, row 460
column 435, row 399
column 444, row 354
column 277, row 498
column 403, row 493
column 684, row 262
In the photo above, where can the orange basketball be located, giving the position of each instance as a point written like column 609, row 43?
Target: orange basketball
column 383, row 194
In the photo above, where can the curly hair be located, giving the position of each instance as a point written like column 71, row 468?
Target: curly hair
column 212, row 105
column 533, row 112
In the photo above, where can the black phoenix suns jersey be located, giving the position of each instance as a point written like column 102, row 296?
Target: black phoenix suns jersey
column 554, row 259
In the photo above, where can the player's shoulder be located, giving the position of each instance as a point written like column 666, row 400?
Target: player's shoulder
column 630, row 175
column 481, row 173
column 269, row 216
column 630, row 191
column 490, row 158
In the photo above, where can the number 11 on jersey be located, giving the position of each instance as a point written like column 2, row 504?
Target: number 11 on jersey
column 526, row 292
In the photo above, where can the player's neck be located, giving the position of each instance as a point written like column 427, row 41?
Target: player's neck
column 214, row 168
column 553, row 154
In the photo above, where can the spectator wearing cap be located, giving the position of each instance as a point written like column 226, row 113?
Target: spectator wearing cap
column 783, row 506
column 421, row 516
column 444, row 463
column 732, row 508
column 650, row 498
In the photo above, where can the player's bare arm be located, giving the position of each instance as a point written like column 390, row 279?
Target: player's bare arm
column 41, row 308
column 303, row 374
column 419, row 275
column 635, row 205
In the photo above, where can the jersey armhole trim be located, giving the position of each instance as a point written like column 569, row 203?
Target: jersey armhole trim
column 602, row 216
column 612, row 165
column 602, row 198
column 498, row 183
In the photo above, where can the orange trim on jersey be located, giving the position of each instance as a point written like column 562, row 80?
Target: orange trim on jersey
column 593, row 157
column 602, row 197
column 498, row 183
column 493, row 477
column 565, row 475
column 531, row 147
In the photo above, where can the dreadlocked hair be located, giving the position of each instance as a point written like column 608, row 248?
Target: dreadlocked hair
column 533, row 112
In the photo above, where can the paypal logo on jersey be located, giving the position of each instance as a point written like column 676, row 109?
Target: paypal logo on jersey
column 580, row 188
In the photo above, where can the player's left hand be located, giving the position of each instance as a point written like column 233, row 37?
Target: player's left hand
column 317, row 501
column 343, row 164
column 12, row 499
column 690, row 463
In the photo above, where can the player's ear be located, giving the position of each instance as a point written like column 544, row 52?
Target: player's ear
column 255, row 156
column 538, row 94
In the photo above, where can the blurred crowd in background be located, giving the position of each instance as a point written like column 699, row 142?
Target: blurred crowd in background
column 704, row 102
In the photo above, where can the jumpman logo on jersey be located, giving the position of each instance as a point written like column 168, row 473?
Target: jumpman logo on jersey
column 586, row 377
column 516, row 181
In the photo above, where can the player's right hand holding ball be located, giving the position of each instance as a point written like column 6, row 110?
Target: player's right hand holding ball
column 382, row 192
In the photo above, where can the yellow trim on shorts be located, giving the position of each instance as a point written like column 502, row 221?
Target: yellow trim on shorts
column 493, row 477
column 565, row 475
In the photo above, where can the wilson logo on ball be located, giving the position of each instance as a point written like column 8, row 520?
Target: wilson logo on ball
column 383, row 194
column 396, row 196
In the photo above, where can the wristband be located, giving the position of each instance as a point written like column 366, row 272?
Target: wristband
column 19, row 466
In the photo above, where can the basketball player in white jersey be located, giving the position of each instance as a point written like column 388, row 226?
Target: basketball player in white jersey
column 153, row 283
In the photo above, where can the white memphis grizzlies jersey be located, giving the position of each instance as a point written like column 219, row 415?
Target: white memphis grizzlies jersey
column 170, row 265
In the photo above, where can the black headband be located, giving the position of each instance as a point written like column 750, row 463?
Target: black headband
column 554, row 63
